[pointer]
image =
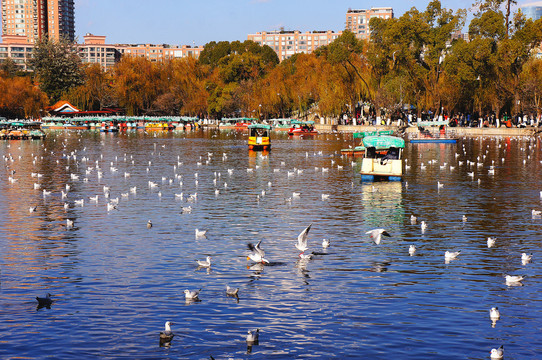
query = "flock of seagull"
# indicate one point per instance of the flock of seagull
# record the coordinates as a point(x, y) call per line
point(257, 254)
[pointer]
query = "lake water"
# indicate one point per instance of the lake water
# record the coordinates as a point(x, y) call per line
point(115, 283)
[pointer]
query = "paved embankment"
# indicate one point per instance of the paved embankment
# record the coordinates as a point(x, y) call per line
point(460, 131)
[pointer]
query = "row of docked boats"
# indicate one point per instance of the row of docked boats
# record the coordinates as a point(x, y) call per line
point(120, 123)
point(293, 127)
point(20, 130)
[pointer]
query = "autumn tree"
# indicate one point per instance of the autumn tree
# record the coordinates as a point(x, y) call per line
point(96, 93)
point(20, 98)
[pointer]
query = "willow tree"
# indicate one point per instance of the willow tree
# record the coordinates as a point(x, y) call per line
point(96, 92)
point(347, 55)
point(57, 66)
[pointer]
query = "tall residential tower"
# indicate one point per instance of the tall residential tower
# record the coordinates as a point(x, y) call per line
point(357, 21)
point(34, 19)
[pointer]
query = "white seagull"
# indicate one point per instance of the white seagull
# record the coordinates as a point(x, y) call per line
point(253, 336)
point(497, 353)
point(205, 263)
point(494, 314)
point(491, 242)
point(423, 226)
point(325, 243)
point(257, 253)
point(200, 233)
point(301, 244)
point(526, 258)
point(412, 250)
point(376, 235)
point(231, 291)
point(513, 279)
point(451, 255)
point(166, 335)
point(191, 295)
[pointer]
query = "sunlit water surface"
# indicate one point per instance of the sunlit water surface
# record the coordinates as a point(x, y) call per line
point(115, 283)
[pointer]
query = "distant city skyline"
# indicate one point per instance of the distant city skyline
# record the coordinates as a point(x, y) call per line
point(189, 22)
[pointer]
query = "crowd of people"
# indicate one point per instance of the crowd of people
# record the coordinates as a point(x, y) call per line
point(462, 120)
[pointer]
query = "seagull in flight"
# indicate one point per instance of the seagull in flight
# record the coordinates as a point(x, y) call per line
point(257, 253)
point(376, 235)
point(302, 240)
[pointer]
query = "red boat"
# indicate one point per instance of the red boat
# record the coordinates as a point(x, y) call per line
point(302, 128)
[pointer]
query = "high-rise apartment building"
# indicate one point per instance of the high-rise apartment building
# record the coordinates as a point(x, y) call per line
point(288, 43)
point(532, 10)
point(33, 19)
point(357, 21)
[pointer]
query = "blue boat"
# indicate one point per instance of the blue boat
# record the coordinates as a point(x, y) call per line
point(433, 141)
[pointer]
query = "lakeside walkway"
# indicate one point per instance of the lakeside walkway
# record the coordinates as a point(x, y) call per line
point(459, 131)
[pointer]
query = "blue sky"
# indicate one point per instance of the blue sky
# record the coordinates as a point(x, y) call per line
point(198, 22)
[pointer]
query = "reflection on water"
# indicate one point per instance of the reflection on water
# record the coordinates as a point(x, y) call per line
point(115, 281)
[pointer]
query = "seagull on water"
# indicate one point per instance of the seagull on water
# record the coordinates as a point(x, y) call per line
point(376, 235)
point(497, 353)
point(149, 224)
point(69, 223)
point(200, 233)
point(526, 258)
point(205, 263)
point(167, 335)
point(32, 209)
point(301, 244)
point(513, 279)
point(231, 291)
point(257, 253)
point(325, 243)
point(412, 250)
point(191, 295)
point(451, 255)
point(413, 219)
point(491, 242)
point(44, 301)
point(253, 336)
point(494, 314)
point(423, 226)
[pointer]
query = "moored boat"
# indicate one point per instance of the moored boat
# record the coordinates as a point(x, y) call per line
point(235, 123)
point(281, 124)
point(302, 128)
point(425, 136)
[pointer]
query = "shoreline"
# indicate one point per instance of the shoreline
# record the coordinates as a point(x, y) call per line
point(458, 131)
